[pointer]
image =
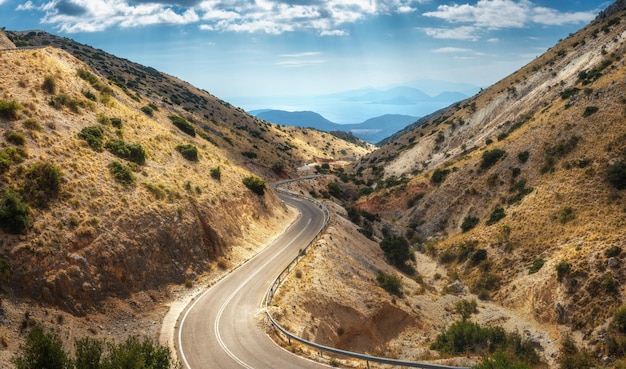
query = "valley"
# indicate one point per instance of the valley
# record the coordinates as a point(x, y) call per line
point(127, 192)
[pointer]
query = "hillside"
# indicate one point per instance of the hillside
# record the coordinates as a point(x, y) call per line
point(120, 186)
point(513, 197)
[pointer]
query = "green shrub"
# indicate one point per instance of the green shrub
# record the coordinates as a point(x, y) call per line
point(616, 175)
point(255, 184)
point(32, 124)
point(390, 283)
point(14, 213)
point(189, 152)
point(523, 156)
point(590, 110)
point(10, 109)
point(613, 251)
point(41, 350)
point(500, 360)
point(116, 122)
point(49, 85)
point(45, 350)
point(131, 152)
point(16, 138)
point(121, 173)
point(466, 308)
point(478, 256)
point(566, 214)
point(537, 264)
point(439, 175)
point(557, 151)
point(147, 110)
point(397, 250)
point(42, 183)
point(216, 173)
point(93, 135)
point(249, 154)
point(90, 95)
point(619, 320)
point(562, 269)
point(9, 156)
point(464, 336)
point(469, 222)
point(566, 94)
point(334, 189)
point(490, 157)
point(182, 124)
point(495, 216)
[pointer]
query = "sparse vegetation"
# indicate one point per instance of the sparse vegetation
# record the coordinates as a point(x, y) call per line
point(255, 184)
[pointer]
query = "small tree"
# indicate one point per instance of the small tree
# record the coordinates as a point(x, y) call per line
point(216, 173)
point(466, 308)
point(397, 250)
point(490, 157)
point(14, 213)
point(188, 151)
point(41, 350)
point(9, 109)
point(469, 222)
point(255, 184)
point(42, 183)
point(390, 283)
point(49, 85)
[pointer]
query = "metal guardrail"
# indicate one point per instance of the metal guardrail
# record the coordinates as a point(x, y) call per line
point(283, 275)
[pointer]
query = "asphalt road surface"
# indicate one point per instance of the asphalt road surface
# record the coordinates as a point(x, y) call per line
point(220, 328)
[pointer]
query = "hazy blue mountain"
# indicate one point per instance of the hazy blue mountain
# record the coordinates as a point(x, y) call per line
point(372, 130)
point(298, 119)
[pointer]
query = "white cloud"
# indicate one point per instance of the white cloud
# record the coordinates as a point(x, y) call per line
point(324, 17)
point(451, 50)
point(459, 33)
point(302, 59)
point(499, 14)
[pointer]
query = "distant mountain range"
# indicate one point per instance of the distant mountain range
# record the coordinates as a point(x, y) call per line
point(392, 108)
point(415, 98)
point(372, 130)
point(400, 95)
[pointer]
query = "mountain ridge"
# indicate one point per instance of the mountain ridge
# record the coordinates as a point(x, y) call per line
point(372, 130)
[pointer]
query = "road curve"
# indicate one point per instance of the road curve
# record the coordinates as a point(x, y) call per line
point(219, 329)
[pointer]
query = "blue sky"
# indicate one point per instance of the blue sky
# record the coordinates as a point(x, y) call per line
point(239, 48)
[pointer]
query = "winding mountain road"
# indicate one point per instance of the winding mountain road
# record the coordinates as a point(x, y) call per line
point(220, 329)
